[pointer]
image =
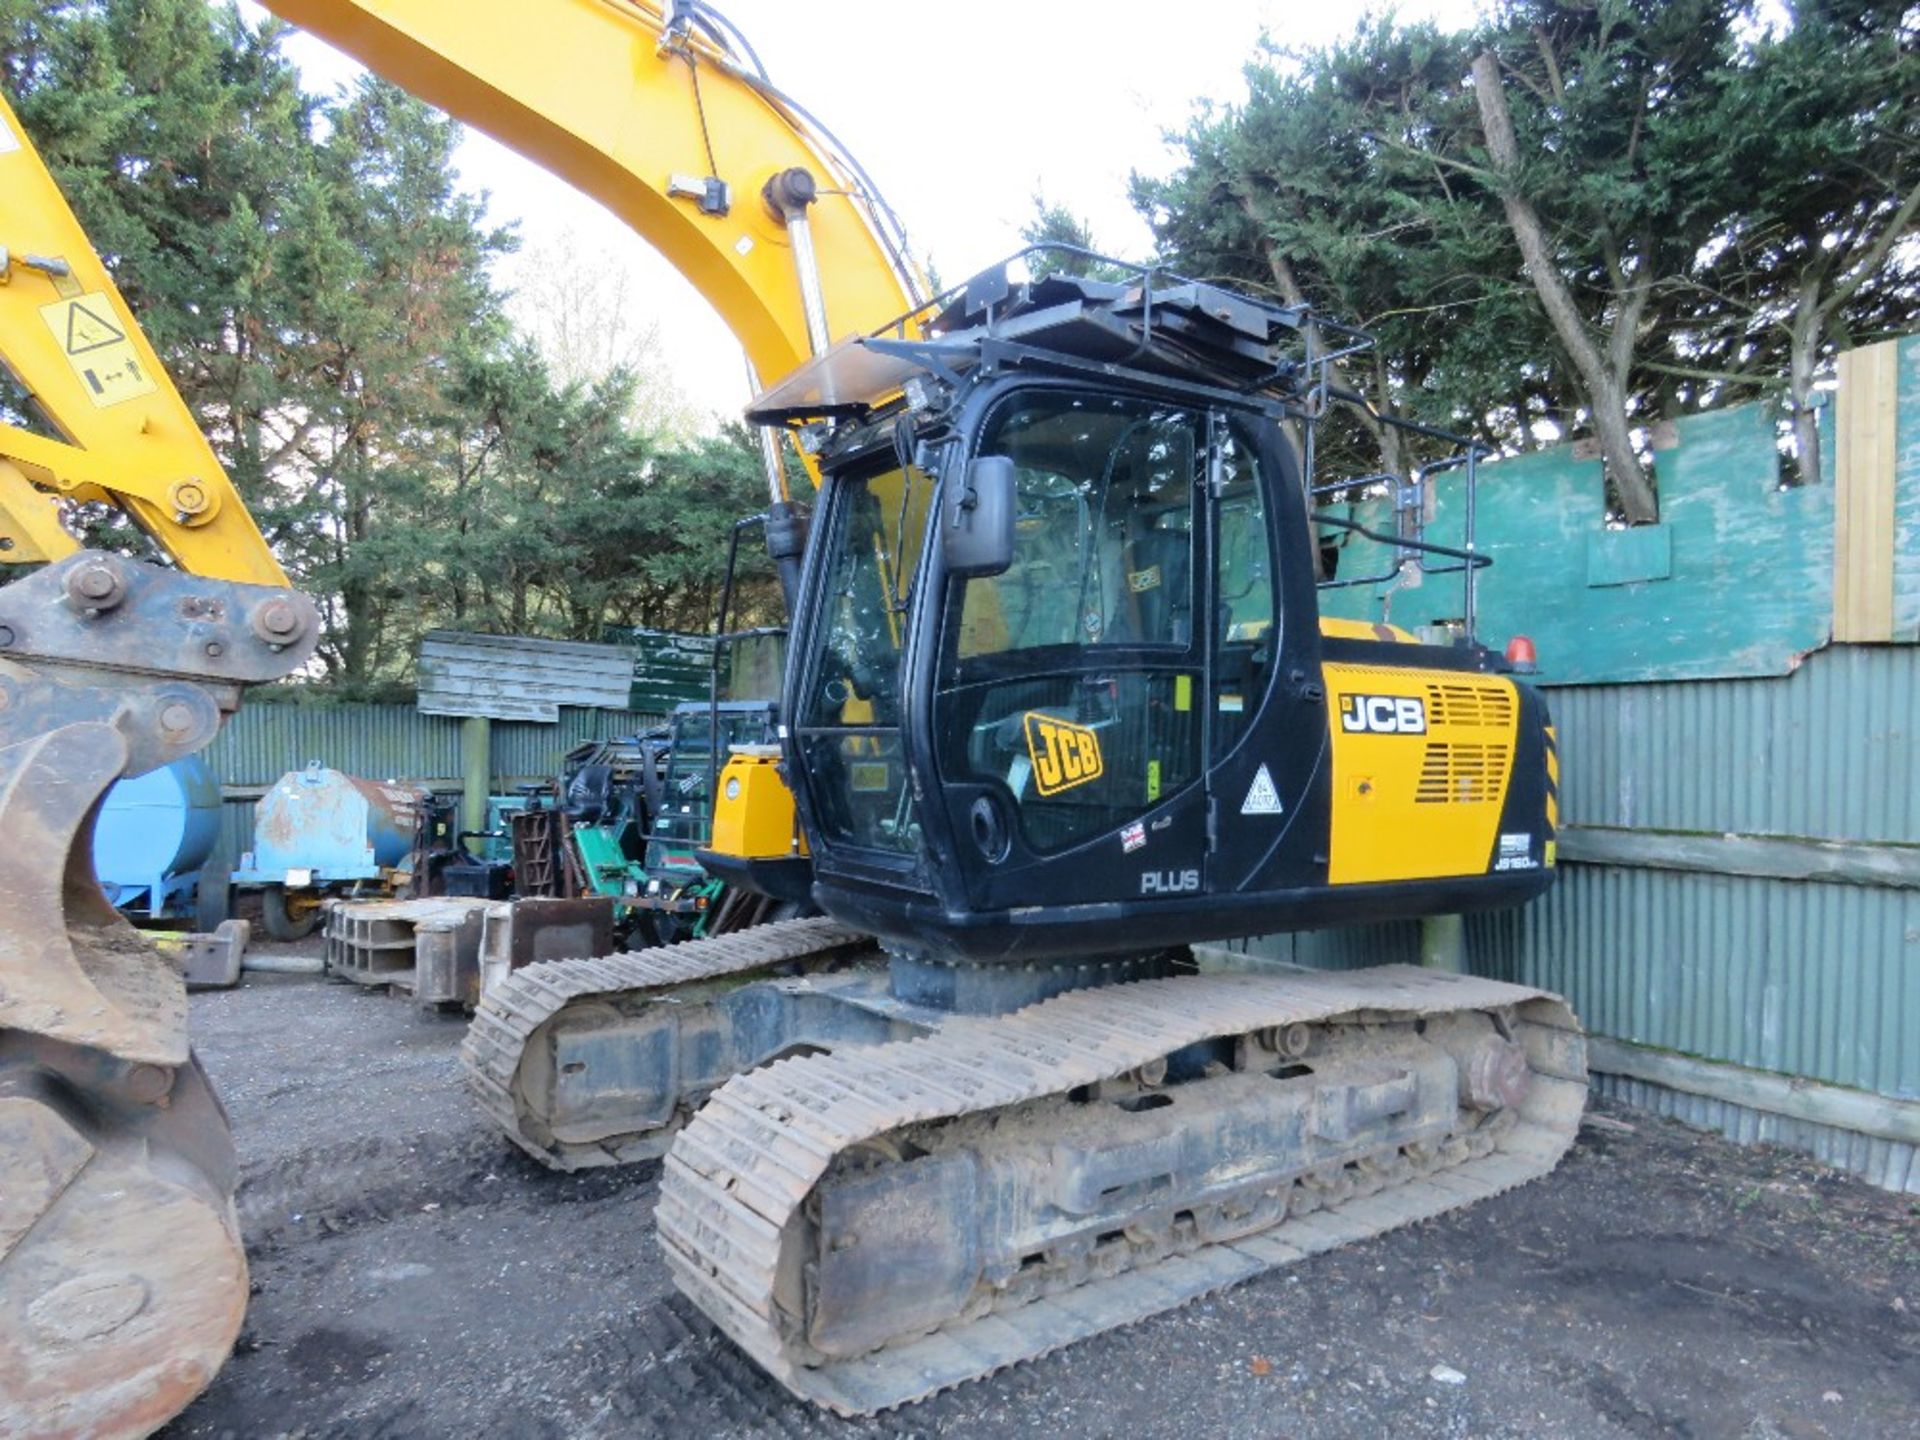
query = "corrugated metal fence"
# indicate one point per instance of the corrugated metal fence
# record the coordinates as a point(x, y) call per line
point(385, 742)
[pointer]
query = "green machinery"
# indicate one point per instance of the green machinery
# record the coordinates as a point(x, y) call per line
point(682, 899)
point(626, 818)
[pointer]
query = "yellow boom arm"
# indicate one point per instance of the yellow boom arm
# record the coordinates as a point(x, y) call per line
point(639, 112)
point(124, 435)
point(654, 119)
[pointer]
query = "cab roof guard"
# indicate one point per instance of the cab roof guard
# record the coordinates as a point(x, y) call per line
point(1157, 328)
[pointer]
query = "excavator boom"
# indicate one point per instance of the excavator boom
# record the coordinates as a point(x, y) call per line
point(106, 422)
point(647, 109)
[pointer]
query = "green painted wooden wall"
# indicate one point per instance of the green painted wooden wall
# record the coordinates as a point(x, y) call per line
point(1736, 579)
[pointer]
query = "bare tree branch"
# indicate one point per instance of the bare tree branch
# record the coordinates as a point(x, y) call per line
point(1605, 393)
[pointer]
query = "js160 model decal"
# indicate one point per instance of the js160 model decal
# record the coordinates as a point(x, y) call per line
point(1383, 714)
point(1063, 754)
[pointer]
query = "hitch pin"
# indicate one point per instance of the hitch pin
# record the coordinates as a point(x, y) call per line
point(52, 266)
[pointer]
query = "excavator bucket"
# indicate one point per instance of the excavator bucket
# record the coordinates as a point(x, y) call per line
point(122, 1275)
point(122, 1278)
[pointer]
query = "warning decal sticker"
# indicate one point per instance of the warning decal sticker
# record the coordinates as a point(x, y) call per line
point(1262, 798)
point(87, 330)
point(97, 347)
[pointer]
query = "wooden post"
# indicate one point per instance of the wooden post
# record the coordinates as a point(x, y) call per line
point(476, 770)
point(1443, 943)
point(1863, 472)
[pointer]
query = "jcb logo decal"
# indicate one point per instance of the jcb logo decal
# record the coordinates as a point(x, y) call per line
point(1064, 754)
point(1383, 714)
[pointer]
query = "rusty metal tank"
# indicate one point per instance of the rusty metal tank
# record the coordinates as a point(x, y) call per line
point(320, 826)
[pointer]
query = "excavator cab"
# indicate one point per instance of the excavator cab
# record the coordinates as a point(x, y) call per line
point(1059, 683)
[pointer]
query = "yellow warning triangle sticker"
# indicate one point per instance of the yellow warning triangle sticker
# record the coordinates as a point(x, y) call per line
point(87, 330)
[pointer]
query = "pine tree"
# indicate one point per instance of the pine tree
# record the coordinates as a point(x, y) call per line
point(1576, 216)
point(389, 264)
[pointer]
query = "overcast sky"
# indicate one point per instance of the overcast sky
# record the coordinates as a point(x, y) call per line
point(1013, 98)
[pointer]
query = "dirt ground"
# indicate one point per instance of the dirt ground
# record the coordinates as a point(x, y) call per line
point(415, 1276)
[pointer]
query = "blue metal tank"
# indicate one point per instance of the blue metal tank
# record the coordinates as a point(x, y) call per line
point(318, 826)
point(153, 834)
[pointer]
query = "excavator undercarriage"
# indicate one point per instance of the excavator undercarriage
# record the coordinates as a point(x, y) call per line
point(876, 1221)
point(587, 1063)
point(877, 1224)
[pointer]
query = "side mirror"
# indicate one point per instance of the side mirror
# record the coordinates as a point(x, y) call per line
point(976, 533)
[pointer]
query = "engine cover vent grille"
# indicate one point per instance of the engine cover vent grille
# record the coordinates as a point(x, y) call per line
point(1456, 774)
point(1453, 704)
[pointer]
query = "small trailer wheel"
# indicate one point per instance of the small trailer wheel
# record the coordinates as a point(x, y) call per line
point(290, 915)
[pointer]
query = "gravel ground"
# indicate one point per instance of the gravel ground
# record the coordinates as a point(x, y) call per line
point(415, 1276)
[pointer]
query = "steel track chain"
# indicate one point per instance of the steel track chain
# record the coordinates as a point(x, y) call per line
point(510, 1015)
point(737, 1176)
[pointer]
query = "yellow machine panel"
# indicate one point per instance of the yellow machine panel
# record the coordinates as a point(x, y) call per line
point(1421, 762)
point(753, 815)
point(1336, 628)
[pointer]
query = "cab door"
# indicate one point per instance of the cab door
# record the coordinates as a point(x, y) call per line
point(1070, 704)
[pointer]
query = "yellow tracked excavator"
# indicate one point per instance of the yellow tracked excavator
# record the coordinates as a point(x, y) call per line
point(1059, 705)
